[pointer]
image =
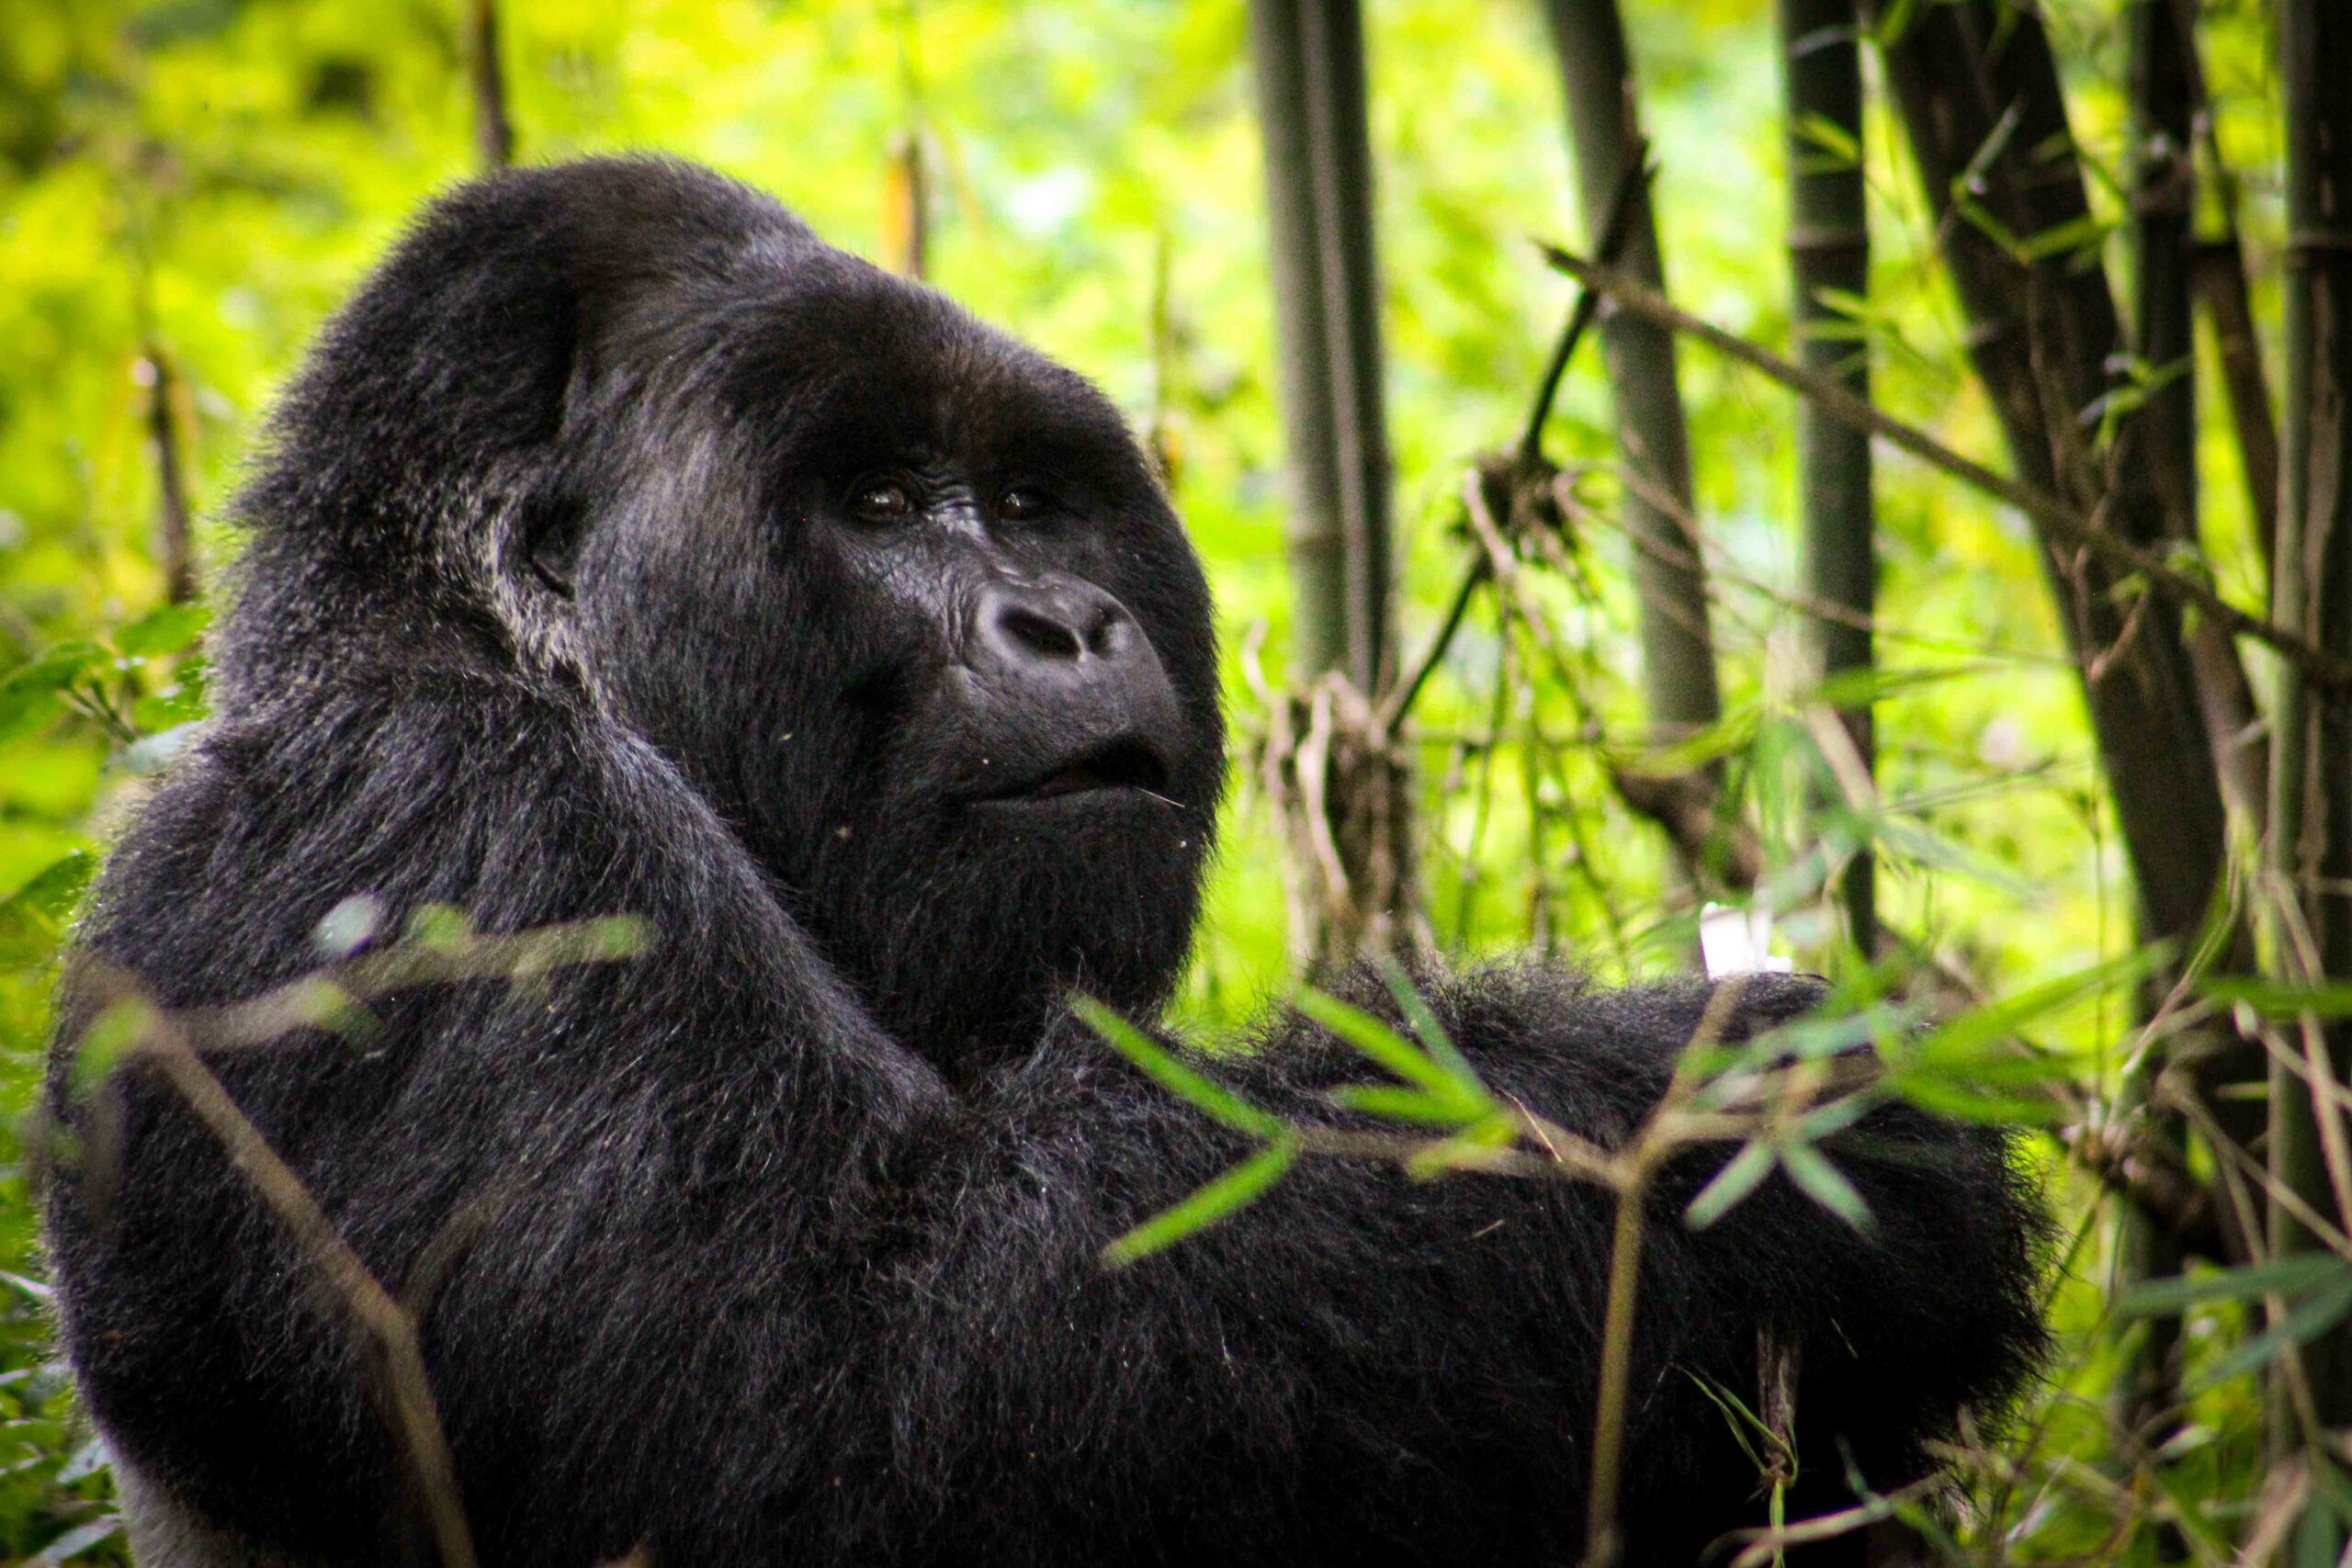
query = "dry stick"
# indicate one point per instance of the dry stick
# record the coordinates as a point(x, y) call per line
point(174, 530)
point(169, 1039)
point(320, 997)
point(165, 1043)
point(2067, 525)
point(494, 131)
point(1768, 1545)
point(1600, 1542)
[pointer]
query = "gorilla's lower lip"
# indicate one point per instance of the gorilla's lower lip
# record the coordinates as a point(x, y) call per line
point(1126, 764)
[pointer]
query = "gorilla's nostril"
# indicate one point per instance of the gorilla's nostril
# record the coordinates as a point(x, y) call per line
point(1041, 634)
point(1111, 633)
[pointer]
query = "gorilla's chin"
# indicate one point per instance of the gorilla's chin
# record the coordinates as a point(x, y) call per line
point(966, 946)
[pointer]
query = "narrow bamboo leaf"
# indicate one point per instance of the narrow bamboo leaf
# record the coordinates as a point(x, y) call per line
point(79, 1539)
point(1737, 1416)
point(1399, 1105)
point(1735, 1181)
point(2295, 1275)
point(1961, 1103)
point(2079, 233)
point(1424, 1018)
point(1845, 151)
point(1824, 1184)
point(2273, 999)
point(1219, 1200)
point(1809, 1038)
point(29, 693)
point(2315, 1315)
point(1932, 851)
point(1834, 1116)
point(1972, 1037)
point(1493, 1132)
point(2330, 1483)
point(1858, 687)
point(1391, 1050)
point(1162, 1067)
point(51, 893)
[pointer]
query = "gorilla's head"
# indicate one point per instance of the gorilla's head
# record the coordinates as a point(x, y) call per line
point(898, 595)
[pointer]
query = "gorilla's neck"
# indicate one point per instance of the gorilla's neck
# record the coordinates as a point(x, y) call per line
point(968, 948)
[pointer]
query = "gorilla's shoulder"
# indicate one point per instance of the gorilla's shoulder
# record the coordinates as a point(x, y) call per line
point(1519, 1004)
point(518, 805)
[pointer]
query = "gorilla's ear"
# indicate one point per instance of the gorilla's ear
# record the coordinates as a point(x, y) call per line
point(552, 527)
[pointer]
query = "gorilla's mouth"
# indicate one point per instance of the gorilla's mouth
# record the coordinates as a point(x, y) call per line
point(1128, 763)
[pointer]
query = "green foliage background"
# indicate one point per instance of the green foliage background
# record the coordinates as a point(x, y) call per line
point(226, 170)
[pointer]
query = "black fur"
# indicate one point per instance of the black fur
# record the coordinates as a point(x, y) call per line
point(558, 604)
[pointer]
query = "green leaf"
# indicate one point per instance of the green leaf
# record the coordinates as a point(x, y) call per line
point(1424, 1018)
point(1930, 850)
point(2295, 1275)
point(1745, 1173)
point(79, 1539)
point(1219, 1200)
point(2314, 1314)
point(1978, 1043)
point(2079, 233)
point(1959, 1102)
point(50, 893)
point(441, 927)
point(1493, 1132)
point(168, 630)
point(1819, 131)
point(1392, 1051)
point(1393, 1104)
point(118, 1026)
point(2272, 999)
point(29, 693)
point(1824, 1184)
point(1161, 1066)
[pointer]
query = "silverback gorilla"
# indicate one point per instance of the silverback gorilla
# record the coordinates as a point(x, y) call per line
point(623, 547)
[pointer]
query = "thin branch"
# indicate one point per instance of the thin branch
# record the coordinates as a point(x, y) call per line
point(494, 128)
point(2065, 524)
point(165, 1042)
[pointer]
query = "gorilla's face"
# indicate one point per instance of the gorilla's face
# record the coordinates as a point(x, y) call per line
point(903, 597)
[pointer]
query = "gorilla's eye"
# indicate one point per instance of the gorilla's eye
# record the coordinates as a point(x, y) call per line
point(883, 501)
point(1020, 502)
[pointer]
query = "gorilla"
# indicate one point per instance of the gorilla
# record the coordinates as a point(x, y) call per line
point(623, 549)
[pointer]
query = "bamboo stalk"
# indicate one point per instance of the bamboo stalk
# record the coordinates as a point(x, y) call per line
point(1309, 68)
point(2147, 1394)
point(1678, 647)
point(1829, 255)
point(1987, 125)
point(2311, 843)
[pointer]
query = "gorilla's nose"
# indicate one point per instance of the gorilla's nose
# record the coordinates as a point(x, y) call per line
point(1074, 699)
point(1059, 634)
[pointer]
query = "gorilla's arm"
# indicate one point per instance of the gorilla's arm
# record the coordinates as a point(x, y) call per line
point(1430, 1350)
point(753, 1282)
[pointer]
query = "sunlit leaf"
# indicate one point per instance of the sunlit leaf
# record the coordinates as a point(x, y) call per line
point(1162, 1067)
point(1392, 1051)
point(1824, 1183)
point(1219, 1200)
point(2294, 1275)
point(1744, 1171)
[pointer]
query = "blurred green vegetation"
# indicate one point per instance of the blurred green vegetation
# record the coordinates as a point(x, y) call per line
point(211, 176)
